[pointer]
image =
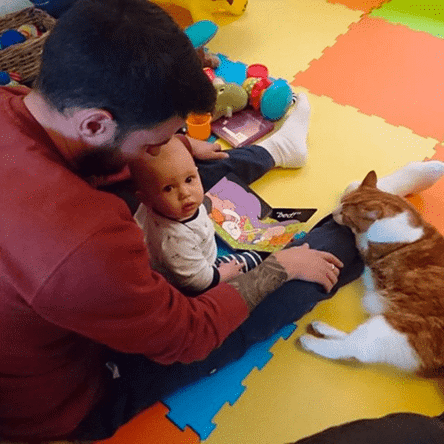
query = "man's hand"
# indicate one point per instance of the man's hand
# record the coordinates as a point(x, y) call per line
point(207, 58)
point(310, 265)
point(229, 270)
point(205, 150)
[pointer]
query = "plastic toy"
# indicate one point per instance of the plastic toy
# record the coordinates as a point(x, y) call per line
point(11, 37)
point(29, 30)
point(271, 97)
point(199, 126)
point(9, 79)
point(200, 34)
point(231, 98)
point(204, 9)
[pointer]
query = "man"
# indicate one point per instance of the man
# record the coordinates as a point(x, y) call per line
point(78, 297)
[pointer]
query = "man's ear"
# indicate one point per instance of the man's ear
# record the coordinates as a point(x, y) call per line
point(95, 126)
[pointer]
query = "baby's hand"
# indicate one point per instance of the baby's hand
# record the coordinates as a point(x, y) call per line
point(230, 270)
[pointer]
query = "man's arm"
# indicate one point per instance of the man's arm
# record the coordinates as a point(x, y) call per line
point(202, 150)
point(292, 263)
point(105, 290)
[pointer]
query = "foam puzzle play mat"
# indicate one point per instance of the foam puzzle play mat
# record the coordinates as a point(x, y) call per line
point(373, 71)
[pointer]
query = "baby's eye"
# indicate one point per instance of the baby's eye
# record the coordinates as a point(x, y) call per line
point(189, 179)
point(168, 188)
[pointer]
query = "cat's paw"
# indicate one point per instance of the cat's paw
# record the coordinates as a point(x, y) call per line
point(328, 348)
point(325, 330)
point(308, 342)
point(316, 345)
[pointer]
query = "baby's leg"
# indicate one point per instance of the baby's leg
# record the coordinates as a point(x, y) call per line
point(250, 259)
point(375, 341)
point(412, 178)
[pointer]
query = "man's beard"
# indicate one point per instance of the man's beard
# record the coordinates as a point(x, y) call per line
point(101, 161)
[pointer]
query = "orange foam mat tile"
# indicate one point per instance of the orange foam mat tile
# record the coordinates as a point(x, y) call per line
point(361, 5)
point(152, 427)
point(386, 70)
point(430, 203)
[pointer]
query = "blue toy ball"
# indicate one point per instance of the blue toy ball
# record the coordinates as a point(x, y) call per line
point(276, 100)
point(11, 37)
point(4, 78)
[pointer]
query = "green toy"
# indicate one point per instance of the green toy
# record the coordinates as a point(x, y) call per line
point(231, 98)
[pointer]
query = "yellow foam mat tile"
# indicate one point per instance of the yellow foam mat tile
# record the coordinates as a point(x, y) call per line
point(298, 394)
point(344, 145)
point(284, 35)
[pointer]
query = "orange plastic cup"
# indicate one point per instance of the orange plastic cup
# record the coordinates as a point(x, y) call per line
point(199, 126)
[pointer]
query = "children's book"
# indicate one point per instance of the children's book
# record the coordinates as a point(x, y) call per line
point(243, 128)
point(244, 221)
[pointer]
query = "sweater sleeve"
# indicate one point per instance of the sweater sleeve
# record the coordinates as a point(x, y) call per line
point(106, 291)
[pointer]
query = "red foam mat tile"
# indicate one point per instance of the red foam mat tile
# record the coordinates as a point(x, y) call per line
point(152, 427)
point(360, 5)
point(430, 203)
point(385, 70)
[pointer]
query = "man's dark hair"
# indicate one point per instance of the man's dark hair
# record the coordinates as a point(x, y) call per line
point(125, 56)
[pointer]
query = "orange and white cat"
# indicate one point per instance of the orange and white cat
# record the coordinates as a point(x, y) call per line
point(404, 281)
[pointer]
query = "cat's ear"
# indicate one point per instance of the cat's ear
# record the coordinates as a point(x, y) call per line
point(370, 180)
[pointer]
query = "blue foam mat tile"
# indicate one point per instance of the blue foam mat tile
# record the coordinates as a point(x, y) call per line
point(197, 404)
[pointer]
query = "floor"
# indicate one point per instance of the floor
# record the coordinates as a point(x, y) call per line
point(374, 75)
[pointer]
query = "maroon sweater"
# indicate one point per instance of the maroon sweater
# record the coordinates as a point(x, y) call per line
point(75, 274)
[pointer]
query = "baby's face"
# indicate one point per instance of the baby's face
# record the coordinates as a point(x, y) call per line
point(174, 189)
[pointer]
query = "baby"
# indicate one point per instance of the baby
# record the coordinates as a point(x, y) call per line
point(178, 231)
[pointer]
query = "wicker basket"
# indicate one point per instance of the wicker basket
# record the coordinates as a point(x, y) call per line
point(24, 58)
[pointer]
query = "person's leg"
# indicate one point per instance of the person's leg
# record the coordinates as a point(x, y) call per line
point(288, 145)
point(396, 428)
point(248, 163)
point(250, 259)
point(286, 148)
point(142, 382)
point(295, 298)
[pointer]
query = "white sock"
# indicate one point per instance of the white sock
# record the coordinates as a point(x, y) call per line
point(412, 178)
point(288, 145)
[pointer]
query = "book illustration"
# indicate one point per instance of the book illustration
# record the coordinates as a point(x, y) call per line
point(243, 219)
point(243, 128)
